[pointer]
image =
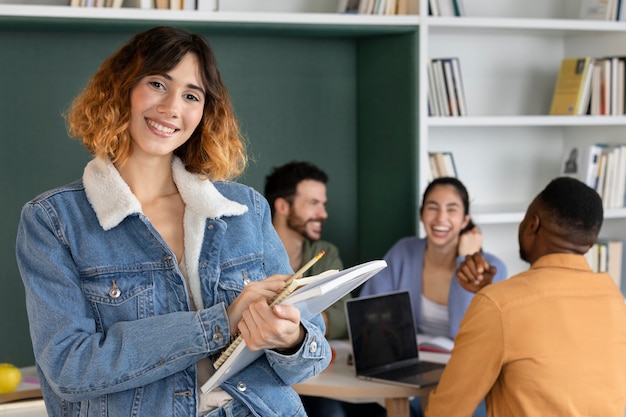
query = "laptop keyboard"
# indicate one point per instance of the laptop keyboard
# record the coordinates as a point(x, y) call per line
point(410, 370)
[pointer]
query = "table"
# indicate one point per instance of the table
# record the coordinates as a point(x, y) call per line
point(339, 381)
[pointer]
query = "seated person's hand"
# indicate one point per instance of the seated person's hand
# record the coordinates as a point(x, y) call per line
point(470, 242)
point(253, 292)
point(475, 273)
point(265, 327)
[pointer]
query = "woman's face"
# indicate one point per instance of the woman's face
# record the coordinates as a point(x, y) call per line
point(165, 109)
point(443, 215)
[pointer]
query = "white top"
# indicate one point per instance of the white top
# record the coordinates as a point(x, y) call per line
point(217, 397)
point(434, 318)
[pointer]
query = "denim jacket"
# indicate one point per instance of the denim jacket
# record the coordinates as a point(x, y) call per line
point(109, 309)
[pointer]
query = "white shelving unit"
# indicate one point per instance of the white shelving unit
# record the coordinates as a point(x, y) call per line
point(508, 148)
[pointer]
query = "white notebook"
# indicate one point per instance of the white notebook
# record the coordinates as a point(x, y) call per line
point(311, 299)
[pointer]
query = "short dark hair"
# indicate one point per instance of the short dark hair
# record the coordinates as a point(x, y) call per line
point(574, 207)
point(282, 182)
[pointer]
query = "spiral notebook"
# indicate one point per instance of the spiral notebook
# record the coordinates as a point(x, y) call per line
point(311, 299)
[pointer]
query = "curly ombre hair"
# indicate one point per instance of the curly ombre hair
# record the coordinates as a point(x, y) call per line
point(100, 115)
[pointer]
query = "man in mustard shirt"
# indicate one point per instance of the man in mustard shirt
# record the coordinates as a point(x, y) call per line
point(548, 341)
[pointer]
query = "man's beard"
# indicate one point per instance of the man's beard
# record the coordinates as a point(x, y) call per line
point(297, 224)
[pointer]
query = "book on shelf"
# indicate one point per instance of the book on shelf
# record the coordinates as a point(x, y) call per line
point(453, 100)
point(611, 171)
point(606, 255)
point(458, 86)
point(441, 93)
point(446, 95)
point(441, 165)
point(391, 7)
point(349, 6)
point(597, 9)
point(585, 99)
point(459, 8)
point(433, 110)
point(602, 87)
point(319, 293)
point(408, 7)
point(446, 8)
point(581, 162)
point(366, 6)
point(602, 167)
point(433, 8)
point(97, 3)
point(571, 81)
point(437, 344)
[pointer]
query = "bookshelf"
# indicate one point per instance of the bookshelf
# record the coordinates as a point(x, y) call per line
point(508, 147)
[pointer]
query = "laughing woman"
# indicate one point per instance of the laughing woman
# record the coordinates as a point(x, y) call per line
point(426, 266)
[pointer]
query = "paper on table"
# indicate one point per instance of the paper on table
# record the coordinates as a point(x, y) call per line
point(439, 344)
point(310, 299)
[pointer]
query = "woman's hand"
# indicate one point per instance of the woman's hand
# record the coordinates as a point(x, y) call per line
point(474, 272)
point(254, 291)
point(265, 327)
point(470, 242)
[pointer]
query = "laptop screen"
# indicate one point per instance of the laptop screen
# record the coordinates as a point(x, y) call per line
point(381, 330)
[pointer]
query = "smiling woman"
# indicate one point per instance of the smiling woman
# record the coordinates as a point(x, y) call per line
point(150, 246)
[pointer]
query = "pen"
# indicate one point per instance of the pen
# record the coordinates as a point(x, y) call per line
point(292, 282)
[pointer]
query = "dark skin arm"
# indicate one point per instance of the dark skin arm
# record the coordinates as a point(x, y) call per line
point(475, 273)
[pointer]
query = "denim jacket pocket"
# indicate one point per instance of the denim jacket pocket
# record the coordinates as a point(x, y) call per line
point(119, 295)
point(236, 273)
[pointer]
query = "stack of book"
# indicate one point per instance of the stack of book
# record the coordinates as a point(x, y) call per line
point(602, 167)
point(447, 8)
point(446, 96)
point(441, 164)
point(587, 85)
point(606, 256)
point(96, 3)
point(612, 10)
point(201, 5)
point(379, 7)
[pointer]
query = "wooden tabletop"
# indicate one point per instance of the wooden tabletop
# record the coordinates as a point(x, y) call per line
point(339, 381)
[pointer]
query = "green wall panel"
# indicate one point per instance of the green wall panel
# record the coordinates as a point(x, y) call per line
point(387, 130)
point(296, 99)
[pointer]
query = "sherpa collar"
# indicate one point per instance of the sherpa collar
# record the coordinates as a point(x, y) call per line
point(102, 181)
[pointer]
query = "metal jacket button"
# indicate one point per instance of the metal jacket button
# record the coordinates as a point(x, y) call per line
point(241, 386)
point(217, 335)
point(313, 346)
point(114, 292)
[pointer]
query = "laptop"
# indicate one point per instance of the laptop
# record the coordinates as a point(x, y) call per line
point(384, 341)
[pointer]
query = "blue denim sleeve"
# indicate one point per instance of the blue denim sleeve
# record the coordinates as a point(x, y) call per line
point(79, 362)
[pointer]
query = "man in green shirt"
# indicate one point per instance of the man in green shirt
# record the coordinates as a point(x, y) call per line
point(296, 193)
